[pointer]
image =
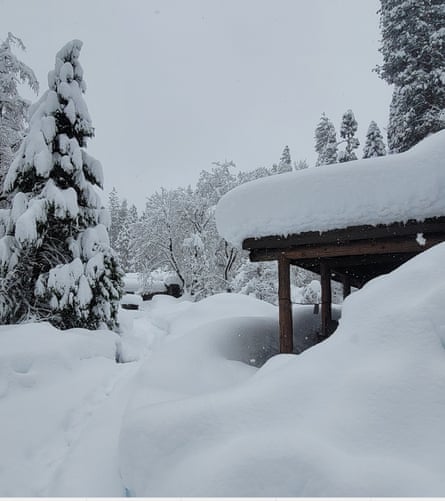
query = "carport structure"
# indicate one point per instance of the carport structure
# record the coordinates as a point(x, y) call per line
point(349, 222)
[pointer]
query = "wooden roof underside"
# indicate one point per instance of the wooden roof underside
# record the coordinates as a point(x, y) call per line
point(357, 252)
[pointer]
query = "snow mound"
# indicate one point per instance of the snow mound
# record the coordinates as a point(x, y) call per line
point(359, 415)
point(49, 383)
point(408, 185)
point(33, 348)
point(219, 307)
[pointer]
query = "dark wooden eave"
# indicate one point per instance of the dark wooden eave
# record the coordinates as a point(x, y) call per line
point(357, 252)
point(349, 234)
point(353, 256)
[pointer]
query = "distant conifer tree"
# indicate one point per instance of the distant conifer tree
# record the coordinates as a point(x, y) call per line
point(325, 142)
point(347, 133)
point(374, 145)
point(285, 164)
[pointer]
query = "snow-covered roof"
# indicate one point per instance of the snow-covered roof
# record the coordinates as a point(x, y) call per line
point(383, 190)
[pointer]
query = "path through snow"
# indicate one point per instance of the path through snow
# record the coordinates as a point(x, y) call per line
point(62, 398)
point(90, 467)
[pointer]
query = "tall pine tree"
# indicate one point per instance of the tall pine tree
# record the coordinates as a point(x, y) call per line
point(55, 260)
point(325, 142)
point(374, 145)
point(13, 108)
point(413, 49)
point(113, 209)
point(347, 133)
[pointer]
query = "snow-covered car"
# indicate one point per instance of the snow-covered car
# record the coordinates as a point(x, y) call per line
point(131, 302)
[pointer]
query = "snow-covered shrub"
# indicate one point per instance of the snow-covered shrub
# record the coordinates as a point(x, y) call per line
point(259, 280)
point(55, 260)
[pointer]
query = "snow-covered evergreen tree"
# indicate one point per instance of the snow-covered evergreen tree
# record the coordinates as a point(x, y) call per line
point(285, 157)
point(125, 240)
point(374, 145)
point(13, 108)
point(285, 164)
point(325, 142)
point(55, 260)
point(413, 49)
point(114, 206)
point(347, 133)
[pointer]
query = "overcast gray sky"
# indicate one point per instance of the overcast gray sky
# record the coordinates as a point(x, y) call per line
point(174, 85)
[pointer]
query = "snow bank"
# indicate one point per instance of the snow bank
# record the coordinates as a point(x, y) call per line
point(247, 326)
point(36, 348)
point(359, 415)
point(50, 382)
point(408, 185)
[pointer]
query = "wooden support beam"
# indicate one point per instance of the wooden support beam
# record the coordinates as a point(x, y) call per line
point(285, 306)
point(326, 299)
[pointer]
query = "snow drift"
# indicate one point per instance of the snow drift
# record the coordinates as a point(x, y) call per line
point(359, 415)
point(50, 384)
point(382, 190)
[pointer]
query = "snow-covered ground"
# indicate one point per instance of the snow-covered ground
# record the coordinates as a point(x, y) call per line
point(193, 411)
point(53, 387)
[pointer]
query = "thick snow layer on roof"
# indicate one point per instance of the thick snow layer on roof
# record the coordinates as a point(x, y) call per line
point(382, 190)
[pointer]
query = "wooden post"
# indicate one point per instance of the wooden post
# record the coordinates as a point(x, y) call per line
point(285, 306)
point(326, 299)
point(346, 286)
